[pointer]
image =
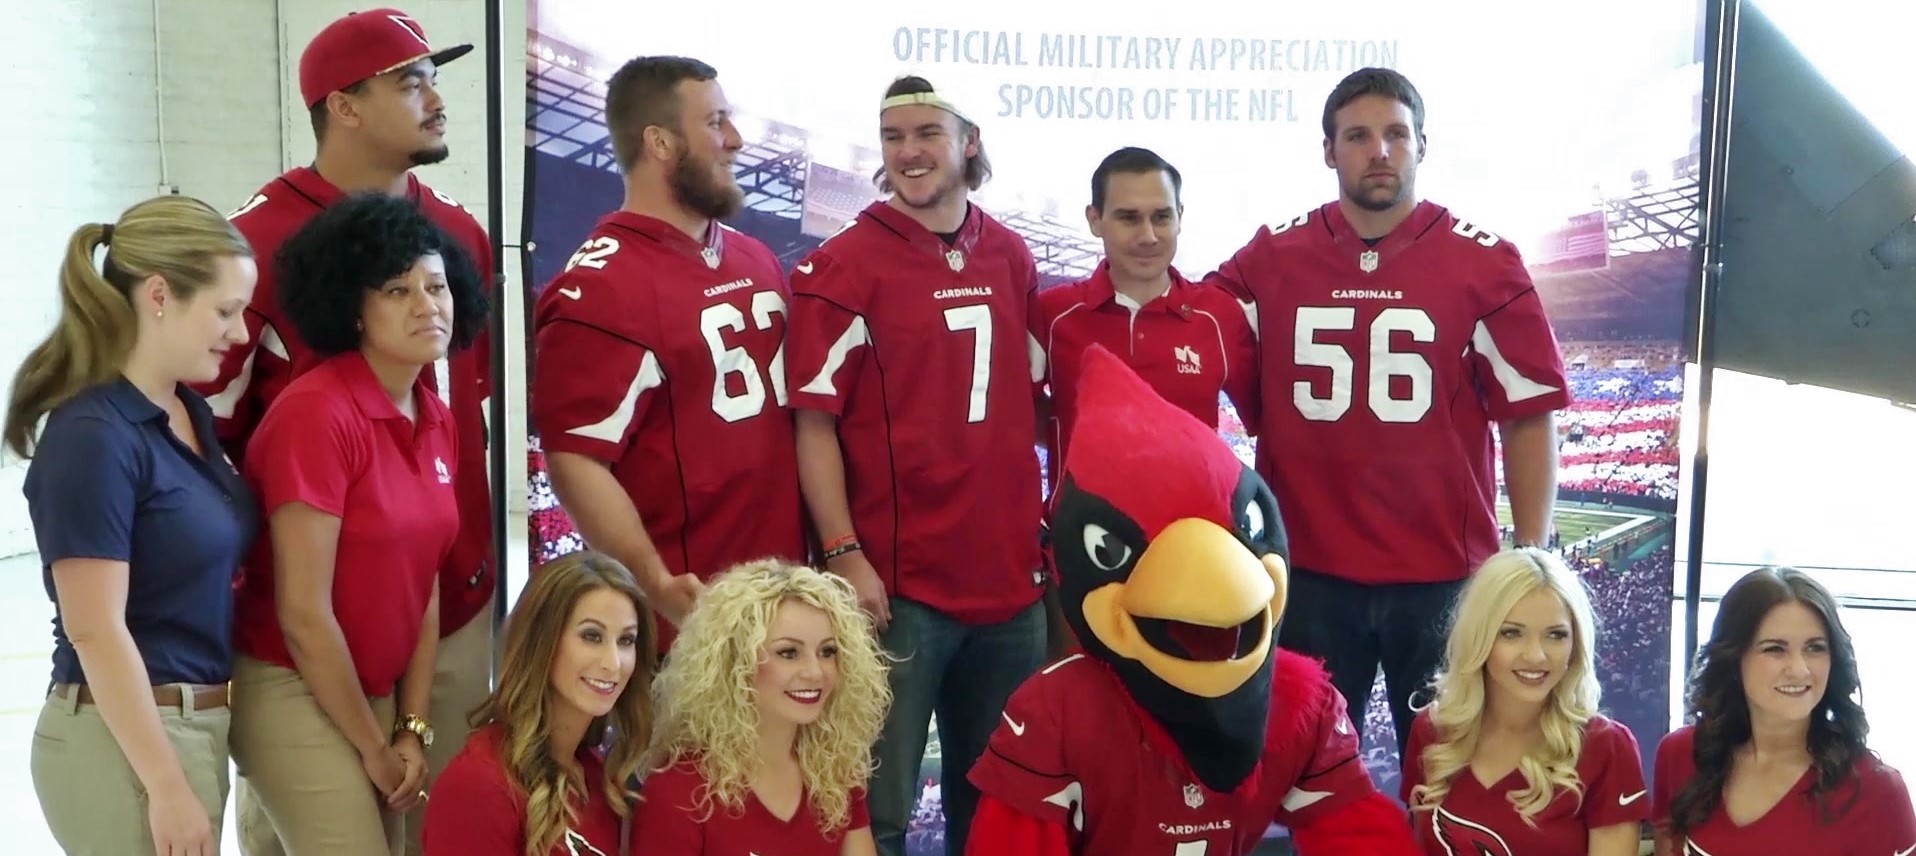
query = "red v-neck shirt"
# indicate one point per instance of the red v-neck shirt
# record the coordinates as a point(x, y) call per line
point(1477, 821)
point(669, 820)
point(1877, 822)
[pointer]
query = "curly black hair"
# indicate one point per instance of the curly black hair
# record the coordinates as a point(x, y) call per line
point(357, 245)
point(1839, 732)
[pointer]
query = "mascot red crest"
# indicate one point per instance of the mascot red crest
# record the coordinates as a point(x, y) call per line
point(1180, 728)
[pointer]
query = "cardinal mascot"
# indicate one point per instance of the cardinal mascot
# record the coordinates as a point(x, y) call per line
point(1179, 729)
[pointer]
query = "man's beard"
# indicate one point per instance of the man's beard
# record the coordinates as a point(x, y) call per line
point(695, 187)
point(1378, 197)
point(430, 156)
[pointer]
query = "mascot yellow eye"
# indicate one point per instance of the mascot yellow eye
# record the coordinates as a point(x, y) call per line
point(1106, 550)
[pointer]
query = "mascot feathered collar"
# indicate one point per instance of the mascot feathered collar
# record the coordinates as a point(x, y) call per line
point(1172, 566)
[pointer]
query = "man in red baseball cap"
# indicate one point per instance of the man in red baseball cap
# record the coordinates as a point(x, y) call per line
point(369, 81)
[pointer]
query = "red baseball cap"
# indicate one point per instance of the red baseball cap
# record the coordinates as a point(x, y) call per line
point(363, 45)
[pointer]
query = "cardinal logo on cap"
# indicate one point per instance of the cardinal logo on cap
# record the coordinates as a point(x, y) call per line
point(412, 27)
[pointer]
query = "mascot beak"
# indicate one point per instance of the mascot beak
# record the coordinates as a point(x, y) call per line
point(1198, 609)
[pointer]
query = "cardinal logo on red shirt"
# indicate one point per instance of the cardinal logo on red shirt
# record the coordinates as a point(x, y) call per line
point(1461, 837)
point(576, 845)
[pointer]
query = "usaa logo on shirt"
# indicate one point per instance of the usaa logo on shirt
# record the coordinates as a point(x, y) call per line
point(445, 474)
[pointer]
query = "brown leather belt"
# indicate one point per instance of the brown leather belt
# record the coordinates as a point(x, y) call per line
point(205, 697)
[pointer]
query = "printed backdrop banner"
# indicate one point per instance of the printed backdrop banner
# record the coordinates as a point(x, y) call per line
point(1569, 129)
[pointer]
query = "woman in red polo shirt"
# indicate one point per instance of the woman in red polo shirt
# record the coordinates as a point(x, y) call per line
point(354, 466)
point(768, 708)
point(532, 780)
point(1776, 759)
point(1511, 757)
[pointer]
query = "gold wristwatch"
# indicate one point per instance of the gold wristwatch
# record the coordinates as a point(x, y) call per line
point(417, 725)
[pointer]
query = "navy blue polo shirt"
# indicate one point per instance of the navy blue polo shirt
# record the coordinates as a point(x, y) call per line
point(109, 480)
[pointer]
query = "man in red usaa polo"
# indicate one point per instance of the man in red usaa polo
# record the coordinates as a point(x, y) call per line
point(1393, 335)
point(657, 387)
point(911, 369)
point(1188, 342)
point(369, 82)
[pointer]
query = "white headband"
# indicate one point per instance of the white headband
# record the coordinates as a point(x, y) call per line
point(929, 99)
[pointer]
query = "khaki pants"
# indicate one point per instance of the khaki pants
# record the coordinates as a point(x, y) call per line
point(92, 799)
point(302, 773)
point(461, 680)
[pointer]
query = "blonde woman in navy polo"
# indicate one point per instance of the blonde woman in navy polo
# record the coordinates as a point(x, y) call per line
point(140, 522)
point(355, 463)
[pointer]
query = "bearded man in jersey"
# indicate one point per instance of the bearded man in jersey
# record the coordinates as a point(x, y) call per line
point(1179, 729)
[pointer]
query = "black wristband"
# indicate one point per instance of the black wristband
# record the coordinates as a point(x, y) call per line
point(842, 549)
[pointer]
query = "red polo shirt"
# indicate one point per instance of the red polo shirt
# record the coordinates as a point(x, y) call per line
point(1190, 343)
point(254, 373)
point(335, 441)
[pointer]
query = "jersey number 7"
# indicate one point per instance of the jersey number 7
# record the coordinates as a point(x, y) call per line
point(976, 318)
point(1382, 364)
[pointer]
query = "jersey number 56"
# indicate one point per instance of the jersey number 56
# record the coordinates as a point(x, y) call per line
point(1380, 364)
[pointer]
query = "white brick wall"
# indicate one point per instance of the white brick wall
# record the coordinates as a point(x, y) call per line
point(98, 102)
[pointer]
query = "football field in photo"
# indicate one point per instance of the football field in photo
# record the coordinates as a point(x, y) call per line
point(1578, 522)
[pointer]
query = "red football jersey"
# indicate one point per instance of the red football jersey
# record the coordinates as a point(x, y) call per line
point(1191, 344)
point(1383, 369)
point(1477, 821)
point(1070, 749)
point(335, 441)
point(1873, 815)
point(476, 811)
point(669, 819)
point(252, 375)
point(661, 355)
point(922, 351)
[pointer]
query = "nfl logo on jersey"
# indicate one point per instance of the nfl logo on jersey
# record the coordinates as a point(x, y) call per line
point(1193, 797)
point(1367, 261)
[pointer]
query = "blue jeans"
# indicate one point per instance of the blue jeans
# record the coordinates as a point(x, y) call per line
point(1355, 628)
point(963, 673)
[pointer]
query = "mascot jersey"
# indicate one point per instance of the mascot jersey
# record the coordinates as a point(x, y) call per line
point(1179, 730)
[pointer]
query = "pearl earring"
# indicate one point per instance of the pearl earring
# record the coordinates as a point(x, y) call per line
point(159, 313)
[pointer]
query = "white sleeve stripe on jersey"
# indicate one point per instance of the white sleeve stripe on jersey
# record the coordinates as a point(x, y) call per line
point(224, 401)
point(1250, 314)
point(1222, 349)
point(1038, 362)
point(1299, 798)
point(442, 377)
point(612, 428)
point(1516, 387)
point(853, 336)
point(270, 340)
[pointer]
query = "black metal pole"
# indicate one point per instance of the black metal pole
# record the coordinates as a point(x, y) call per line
point(1719, 78)
point(495, 227)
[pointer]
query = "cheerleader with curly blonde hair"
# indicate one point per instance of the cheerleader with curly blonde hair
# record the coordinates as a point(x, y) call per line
point(1511, 755)
point(767, 710)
